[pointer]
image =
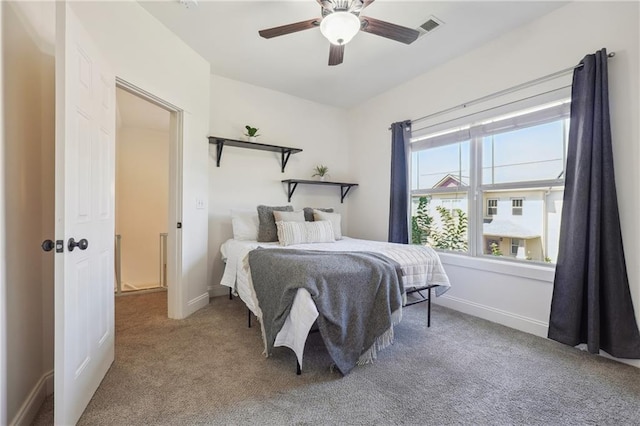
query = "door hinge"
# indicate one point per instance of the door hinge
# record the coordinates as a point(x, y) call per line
point(179, 225)
point(59, 246)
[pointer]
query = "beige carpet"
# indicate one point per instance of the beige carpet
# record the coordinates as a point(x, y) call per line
point(208, 369)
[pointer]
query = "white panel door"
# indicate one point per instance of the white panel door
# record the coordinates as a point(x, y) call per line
point(85, 149)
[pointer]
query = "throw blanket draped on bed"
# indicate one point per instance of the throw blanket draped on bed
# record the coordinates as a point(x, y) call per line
point(358, 296)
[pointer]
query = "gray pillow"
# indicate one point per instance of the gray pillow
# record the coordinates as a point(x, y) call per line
point(308, 213)
point(267, 231)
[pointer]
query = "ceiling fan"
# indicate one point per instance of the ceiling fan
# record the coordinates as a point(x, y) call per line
point(340, 22)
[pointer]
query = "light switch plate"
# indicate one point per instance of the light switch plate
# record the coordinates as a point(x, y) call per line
point(199, 203)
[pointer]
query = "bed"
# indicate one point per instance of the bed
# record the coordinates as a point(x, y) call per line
point(420, 269)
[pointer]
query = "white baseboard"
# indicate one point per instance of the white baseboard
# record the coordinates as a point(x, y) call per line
point(509, 319)
point(197, 303)
point(49, 384)
point(135, 287)
point(30, 407)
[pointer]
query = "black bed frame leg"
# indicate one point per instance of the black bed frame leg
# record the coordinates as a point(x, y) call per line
point(298, 369)
point(248, 317)
point(230, 295)
point(429, 309)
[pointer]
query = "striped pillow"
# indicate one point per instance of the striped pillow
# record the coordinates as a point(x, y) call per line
point(304, 232)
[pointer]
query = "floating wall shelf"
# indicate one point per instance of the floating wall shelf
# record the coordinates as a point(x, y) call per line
point(292, 184)
point(284, 151)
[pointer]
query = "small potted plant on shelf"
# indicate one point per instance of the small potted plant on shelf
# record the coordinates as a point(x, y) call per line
point(321, 171)
point(252, 133)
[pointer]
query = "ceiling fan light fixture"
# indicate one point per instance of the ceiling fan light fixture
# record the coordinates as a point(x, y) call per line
point(340, 27)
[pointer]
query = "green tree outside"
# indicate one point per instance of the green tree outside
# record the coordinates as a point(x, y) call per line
point(451, 235)
point(421, 222)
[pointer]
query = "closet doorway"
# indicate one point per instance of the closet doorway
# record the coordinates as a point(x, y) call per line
point(142, 189)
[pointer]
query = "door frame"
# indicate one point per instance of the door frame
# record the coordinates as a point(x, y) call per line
point(3, 312)
point(174, 237)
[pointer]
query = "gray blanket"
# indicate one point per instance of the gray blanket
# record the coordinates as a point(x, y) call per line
point(356, 294)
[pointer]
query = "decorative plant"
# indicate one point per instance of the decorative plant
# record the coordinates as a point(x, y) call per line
point(320, 170)
point(495, 249)
point(252, 132)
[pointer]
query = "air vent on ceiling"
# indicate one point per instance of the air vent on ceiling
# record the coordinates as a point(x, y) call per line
point(430, 25)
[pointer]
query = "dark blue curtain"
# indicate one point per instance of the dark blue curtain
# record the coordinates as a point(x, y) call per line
point(591, 299)
point(399, 203)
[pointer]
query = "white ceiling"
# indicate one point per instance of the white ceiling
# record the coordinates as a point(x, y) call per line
point(226, 34)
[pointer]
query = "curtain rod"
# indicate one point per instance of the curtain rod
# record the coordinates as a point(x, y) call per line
point(489, 109)
point(506, 91)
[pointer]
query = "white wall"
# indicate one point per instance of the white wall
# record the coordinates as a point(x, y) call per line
point(551, 43)
point(28, 215)
point(146, 54)
point(247, 178)
point(142, 202)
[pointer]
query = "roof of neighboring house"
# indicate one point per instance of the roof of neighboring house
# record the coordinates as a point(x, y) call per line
point(449, 181)
point(506, 228)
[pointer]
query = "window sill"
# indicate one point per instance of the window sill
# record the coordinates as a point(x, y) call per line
point(514, 268)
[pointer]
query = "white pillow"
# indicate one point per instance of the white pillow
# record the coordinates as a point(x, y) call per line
point(335, 220)
point(304, 232)
point(297, 216)
point(244, 224)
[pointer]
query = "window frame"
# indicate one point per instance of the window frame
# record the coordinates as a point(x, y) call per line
point(514, 207)
point(546, 110)
point(511, 245)
point(488, 213)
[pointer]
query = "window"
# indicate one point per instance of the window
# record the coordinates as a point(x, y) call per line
point(514, 163)
point(492, 206)
point(452, 205)
point(516, 206)
point(440, 196)
point(516, 245)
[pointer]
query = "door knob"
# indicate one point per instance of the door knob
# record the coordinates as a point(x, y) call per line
point(82, 244)
point(48, 245)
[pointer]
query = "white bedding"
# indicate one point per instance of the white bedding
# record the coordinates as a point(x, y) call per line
point(420, 266)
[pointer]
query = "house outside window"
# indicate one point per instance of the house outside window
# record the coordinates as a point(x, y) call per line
point(514, 162)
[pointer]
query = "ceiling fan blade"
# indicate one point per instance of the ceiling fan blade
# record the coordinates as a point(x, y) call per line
point(336, 54)
point(290, 28)
point(389, 30)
